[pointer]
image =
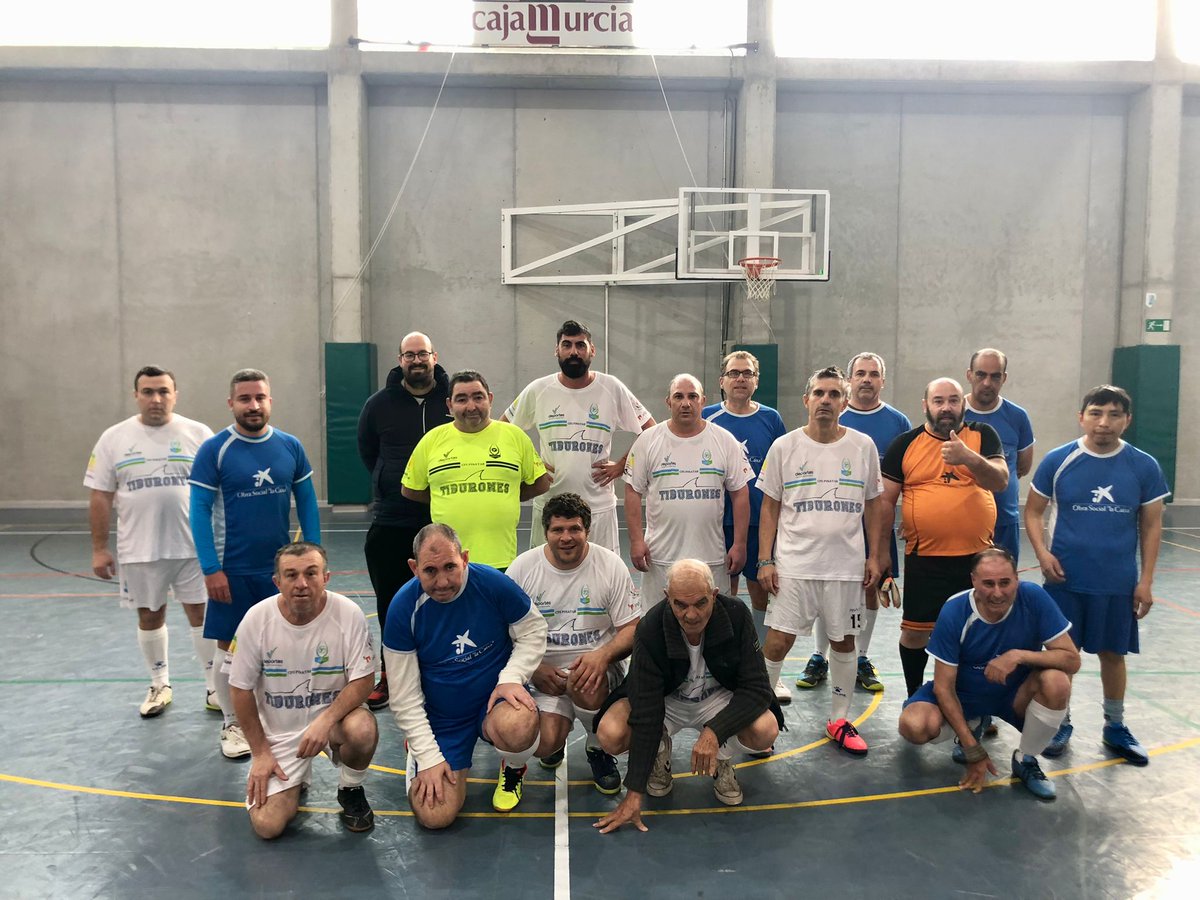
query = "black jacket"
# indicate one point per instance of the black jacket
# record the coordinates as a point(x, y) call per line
point(660, 664)
point(390, 425)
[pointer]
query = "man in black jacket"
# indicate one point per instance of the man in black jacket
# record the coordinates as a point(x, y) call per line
point(393, 420)
point(696, 664)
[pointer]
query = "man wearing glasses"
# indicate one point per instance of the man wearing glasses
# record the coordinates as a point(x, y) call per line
point(756, 426)
point(391, 424)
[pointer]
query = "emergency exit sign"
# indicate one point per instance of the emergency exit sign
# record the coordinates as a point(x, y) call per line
point(1158, 325)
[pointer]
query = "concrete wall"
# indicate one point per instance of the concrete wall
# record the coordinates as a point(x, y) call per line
point(1187, 299)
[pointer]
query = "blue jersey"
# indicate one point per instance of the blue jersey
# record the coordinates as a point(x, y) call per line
point(963, 639)
point(461, 645)
point(1016, 434)
point(756, 432)
point(1096, 504)
point(882, 425)
point(253, 480)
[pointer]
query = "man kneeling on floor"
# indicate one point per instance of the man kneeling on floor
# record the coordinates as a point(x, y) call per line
point(461, 641)
point(1002, 649)
point(696, 664)
point(303, 664)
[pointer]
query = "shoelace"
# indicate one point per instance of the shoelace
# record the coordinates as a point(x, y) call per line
point(512, 777)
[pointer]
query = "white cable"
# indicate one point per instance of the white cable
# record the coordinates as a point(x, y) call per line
point(671, 116)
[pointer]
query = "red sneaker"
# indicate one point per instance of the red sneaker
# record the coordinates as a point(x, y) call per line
point(846, 736)
point(378, 698)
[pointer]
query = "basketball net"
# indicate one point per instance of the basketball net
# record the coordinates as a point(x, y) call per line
point(760, 276)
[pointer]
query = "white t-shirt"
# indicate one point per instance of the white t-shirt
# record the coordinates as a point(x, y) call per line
point(147, 467)
point(684, 482)
point(583, 607)
point(822, 491)
point(297, 671)
point(700, 683)
point(575, 427)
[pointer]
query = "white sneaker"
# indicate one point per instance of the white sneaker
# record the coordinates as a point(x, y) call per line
point(211, 703)
point(233, 743)
point(725, 784)
point(660, 782)
point(156, 701)
point(782, 694)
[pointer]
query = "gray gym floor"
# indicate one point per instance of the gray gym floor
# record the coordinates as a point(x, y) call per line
point(99, 803)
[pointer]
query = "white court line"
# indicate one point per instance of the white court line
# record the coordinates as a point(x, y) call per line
point(562, 836)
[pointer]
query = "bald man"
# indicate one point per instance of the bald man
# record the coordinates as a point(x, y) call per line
point(947, 471)
point(393, 420)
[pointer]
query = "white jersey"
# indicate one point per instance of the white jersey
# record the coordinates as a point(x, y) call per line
point(583, 607)
point(822, 491)
point(575, 427)
point(684, 482)
point(297, 671)
point(147, 467)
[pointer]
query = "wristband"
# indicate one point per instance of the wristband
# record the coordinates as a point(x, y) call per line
point(765, 562)
point(975, 754)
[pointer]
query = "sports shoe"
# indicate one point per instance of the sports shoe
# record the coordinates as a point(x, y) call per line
point(1118, 739)
point(233, 742)
point(782, 695)
point(660, 782)
point(508, 788)
point(1026, 768)
point(1059, 742)
point(761, 754)
point(210, 702)
point(605, 776)
point(378, 698)
point(157, 699)
point(958, 754)
point(868, 679)
point(725, 784)
point(814, 673)
point(554, 760)
point(846, 736)
point(356, 812)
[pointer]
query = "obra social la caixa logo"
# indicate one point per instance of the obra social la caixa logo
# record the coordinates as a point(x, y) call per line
point(597, 24)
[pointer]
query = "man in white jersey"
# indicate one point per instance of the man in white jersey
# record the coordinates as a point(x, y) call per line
point(685, 468)
point(140, 466)
point(591, 608)
point(575, 413)
point(821, 486)
point(302, 667)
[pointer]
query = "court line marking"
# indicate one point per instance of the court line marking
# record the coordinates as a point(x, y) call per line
point(1181, 546)
point(562, 833)
point(760, 807)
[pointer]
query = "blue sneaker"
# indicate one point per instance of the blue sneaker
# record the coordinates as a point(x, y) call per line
point(1026, 768)
point(1118, 739)
point(958, 754)
point(1059, 742)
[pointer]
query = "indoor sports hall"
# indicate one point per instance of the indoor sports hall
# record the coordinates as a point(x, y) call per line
point(295, 185)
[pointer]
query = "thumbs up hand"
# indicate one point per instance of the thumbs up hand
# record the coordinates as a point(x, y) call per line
point(955, 452)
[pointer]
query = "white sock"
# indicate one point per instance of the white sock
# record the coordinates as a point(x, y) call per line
point(820, 638)
point(863, 641)
point(587, 718)
point(760, 624)
point(843, 671)
point(1041, 723)
point(348, 777)
point(221, 686)
point(514, 760)
point(725, 751)
point(204, 649)
point(154, 650)
point(774, 670)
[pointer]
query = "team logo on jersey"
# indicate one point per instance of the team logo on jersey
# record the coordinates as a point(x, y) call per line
point(91, 463)
point(1103, 493)
point(447, 454)
point(175, 447)
point(263, 476)
point(322, 655)
point(668, 466)
point(594, 412)
point(555, 414)
point(706, 458)
point(845, 467)
point(585, 596)
point(949, 475)
point(494, 452)
point(462, 642)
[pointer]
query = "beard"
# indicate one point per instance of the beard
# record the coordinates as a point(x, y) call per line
point(574, 367)
point(419, 376)
point(944, 423)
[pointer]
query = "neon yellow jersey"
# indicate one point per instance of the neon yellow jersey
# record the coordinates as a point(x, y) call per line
point(474, 483)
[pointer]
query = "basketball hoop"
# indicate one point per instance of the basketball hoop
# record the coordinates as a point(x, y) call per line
point(760, 276)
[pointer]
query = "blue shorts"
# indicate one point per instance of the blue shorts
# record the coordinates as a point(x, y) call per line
point(1100, 623)
point(456, 739)
point(750, 569)
point(973, 707)
point(1008, 537)
point(221, 620)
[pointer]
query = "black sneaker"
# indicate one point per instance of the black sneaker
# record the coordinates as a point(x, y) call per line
point(378, 698)
point(356, 812)
point(554, 760)
point(605, 776)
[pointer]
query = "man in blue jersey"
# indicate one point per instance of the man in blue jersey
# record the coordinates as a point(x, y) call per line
point(1108, 499)
point(756, 426)
point(882, 423)
point(987, 374)
point(1000, 649)
point(461, 641)
point(242, 485)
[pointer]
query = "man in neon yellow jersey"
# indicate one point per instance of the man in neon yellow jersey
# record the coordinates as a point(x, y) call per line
point(474, 472)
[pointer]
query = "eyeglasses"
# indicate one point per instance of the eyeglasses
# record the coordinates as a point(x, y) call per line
point(735, 374)
point(422, 355)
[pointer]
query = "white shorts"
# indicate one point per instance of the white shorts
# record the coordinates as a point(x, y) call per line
point(603, 531)
point(297, 770)
point(683, 714)
point(654, 583)
point(562, 705)
point(840, 604)
point(145, 585)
